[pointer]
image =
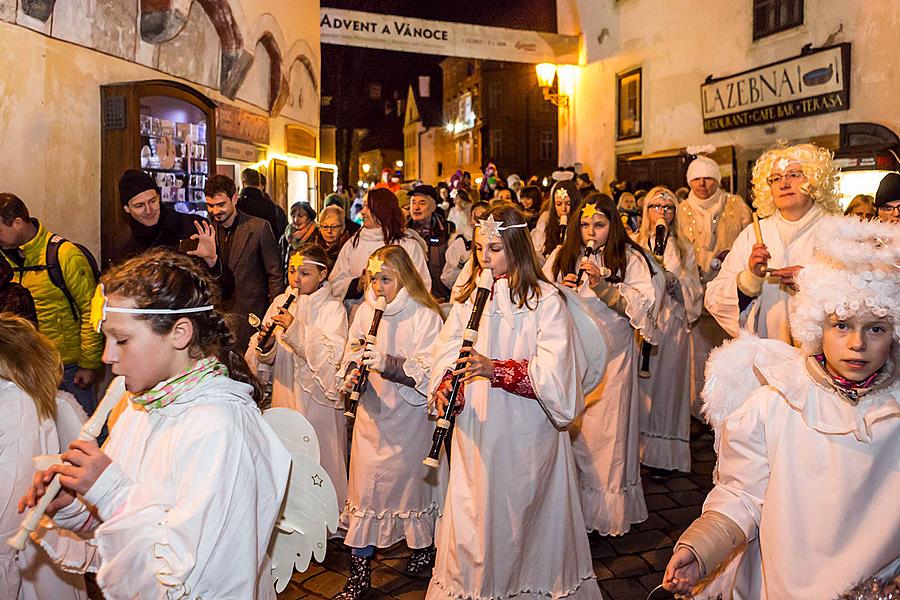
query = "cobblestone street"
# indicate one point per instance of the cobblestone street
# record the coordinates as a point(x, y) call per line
point(628, 567)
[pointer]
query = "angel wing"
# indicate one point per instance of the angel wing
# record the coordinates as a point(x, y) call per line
point(590, 335)
point(310, 508)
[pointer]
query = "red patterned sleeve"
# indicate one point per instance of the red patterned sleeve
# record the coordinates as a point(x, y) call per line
point(446, 385)
point(512, 376)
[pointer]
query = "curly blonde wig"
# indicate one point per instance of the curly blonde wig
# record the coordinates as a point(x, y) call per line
point(821, 176)
point(856, 269)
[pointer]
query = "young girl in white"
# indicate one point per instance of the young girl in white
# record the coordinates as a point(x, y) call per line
point(622, 286)
point(305, 353)
point(30, 371)
point(182, 499)
point(549, 231)
point(666, 394)
point(512, 524)
point(808, 438)
point(392, 495)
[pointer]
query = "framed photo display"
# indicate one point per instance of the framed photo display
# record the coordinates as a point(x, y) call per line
point(628, 104)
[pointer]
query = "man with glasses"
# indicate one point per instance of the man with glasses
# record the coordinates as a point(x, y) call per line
point(793, 187)
point(887, 199)
point(710, 219)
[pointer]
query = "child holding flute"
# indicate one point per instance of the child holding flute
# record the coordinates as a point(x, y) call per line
point(305, 355)
point(793, 188)
point(665, 394)
point(182, 498)
point(621, 285)
point(392, 496)
point(512, 523)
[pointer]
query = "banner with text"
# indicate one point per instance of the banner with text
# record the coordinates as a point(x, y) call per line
point(813, 83)
point(423, 36)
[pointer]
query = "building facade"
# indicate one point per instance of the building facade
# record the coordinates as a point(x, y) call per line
point(253, 66)
point(494, 112)
point(737, 75)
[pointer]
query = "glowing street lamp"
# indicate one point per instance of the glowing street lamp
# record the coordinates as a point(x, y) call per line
point(366, 168)
point(546, 74)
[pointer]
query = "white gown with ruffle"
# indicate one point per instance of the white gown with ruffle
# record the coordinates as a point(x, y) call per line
point(606, 439)
point(512, 524)
point(392, 496)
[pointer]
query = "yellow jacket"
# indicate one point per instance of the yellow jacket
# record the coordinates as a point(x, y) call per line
point(76, 340)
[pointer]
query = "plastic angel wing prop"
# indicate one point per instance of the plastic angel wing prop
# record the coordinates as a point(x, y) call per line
point(591, 337)
point(309, 509)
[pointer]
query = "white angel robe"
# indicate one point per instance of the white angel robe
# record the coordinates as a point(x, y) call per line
point(666, 394)
point(512, 523)
point(767, 315)
point(305, 360)
point(26, 575)
point(812, 481)
point(606, 439)
point(188, 504)
point(392, 495)
point(352, 259)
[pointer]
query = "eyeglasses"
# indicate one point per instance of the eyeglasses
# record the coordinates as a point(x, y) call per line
point(791, 176)
point(331, 227)
point(887, 208)
point(661, 208)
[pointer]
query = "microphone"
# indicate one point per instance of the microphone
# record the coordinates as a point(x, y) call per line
point(588, 250)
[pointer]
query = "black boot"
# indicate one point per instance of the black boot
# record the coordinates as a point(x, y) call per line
point(420, 562)
point(360, 581)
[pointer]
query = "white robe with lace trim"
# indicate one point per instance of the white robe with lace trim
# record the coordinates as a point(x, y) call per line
point(392, 495)
point(666, 394)
point(512, 524)
point(189, 502)
point(811, 480)
point(304, 362)
point(606, 439)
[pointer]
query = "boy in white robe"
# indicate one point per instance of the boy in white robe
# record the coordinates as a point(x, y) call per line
point(808, 439)
point(793, 188)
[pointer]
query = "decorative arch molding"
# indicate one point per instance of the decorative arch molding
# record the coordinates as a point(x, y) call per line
point(162, 20)
point(268, 32)
point(301, 52)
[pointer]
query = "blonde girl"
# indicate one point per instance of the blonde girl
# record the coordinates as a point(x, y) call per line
point(666, 394)
point(392, 496)
point(30, 371)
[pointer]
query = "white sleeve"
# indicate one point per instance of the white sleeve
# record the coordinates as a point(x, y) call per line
point(455, 253)
point(539, 233)
point(722, 292)
point(743, 466)
point(340, 276)
point(323, 343)
point(417, 364)
point(414, 248)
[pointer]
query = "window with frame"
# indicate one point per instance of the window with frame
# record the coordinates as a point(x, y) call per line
point(772, 16)
point(628, 104)
point(495, 142)
point(493, 92)
point(548, 145)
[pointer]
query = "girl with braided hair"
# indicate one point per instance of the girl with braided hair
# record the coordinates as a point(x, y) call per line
point(182, 499)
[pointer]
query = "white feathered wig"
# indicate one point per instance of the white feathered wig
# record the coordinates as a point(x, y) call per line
point(821, 176)
point(855, 270)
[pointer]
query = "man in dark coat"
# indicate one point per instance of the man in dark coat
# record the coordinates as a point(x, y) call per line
point(248, 249)
point(254, 202)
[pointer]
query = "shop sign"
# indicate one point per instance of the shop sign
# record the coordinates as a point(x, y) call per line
point(424, 36)
point(239, 151)
point(241, 124)
point(299, 141)
point(816, 82)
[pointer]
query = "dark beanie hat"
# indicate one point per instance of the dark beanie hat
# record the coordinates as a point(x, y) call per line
point(133, 182)
point(888, 189)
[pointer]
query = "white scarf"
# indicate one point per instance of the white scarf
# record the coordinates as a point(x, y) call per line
point(789, 230)
point(710, 211)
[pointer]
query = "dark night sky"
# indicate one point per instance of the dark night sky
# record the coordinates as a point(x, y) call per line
point(347, 71)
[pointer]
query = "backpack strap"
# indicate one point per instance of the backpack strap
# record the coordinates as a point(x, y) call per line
point(54, 271)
